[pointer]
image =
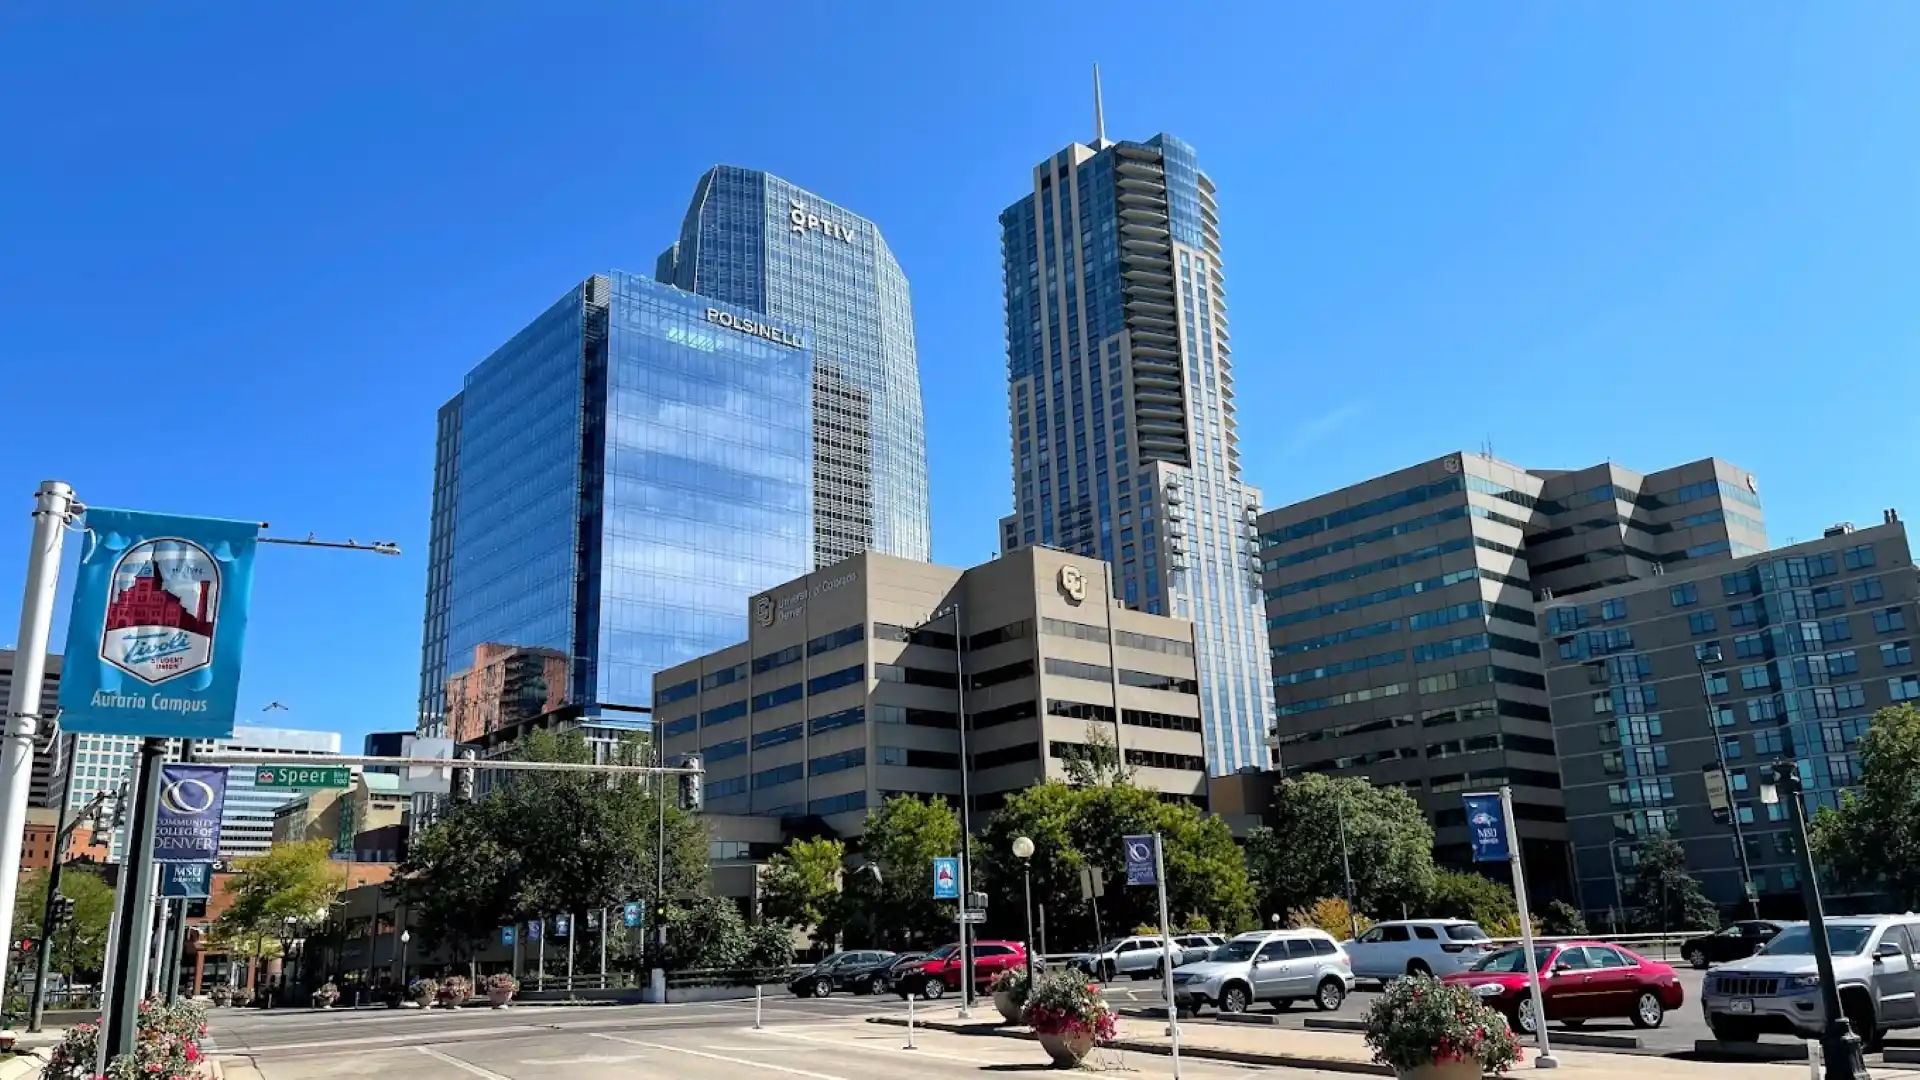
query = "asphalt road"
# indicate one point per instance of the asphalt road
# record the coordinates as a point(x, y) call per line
point(810, 1040)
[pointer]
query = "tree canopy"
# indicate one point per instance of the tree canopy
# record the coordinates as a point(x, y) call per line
point(1389, 845)
point(1664, 896)
point(1467, 895)
point(542, 844)
point(1873, 840)
point(800, 886)
point(291, 881)
point(893, 903)
point(80, 945)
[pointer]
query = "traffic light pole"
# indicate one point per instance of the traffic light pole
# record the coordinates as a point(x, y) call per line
point(50, 914)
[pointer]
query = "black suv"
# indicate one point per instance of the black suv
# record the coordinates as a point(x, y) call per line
point(855, 971)
point(1735, 942)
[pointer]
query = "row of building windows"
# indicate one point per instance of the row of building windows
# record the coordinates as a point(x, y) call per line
point(1381, 596)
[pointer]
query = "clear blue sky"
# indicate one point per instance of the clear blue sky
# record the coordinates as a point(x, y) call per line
point(247, 249)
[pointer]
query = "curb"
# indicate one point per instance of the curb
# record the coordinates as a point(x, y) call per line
point(1208, 1053)
point(1715, 1050)
point(25, 1064)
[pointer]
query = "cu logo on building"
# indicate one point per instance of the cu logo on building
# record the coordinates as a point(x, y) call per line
point(1073, 583)
point(763, 610)
point(188, 797)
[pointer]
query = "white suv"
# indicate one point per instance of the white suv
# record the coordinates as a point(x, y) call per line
point(1417, 947)
point(1280, 966)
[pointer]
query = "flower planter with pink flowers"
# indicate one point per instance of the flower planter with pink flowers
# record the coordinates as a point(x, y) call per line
point(1429, 1030)
point(1069, 1016)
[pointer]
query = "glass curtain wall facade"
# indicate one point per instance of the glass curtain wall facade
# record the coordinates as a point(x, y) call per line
point(758, 242)
point(611, 483)
point(1120, 395)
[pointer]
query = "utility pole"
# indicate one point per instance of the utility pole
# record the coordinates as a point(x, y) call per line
point(53, 505)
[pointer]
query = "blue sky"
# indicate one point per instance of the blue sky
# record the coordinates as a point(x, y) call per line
point(280, 235)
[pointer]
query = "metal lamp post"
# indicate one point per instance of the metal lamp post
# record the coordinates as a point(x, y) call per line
point(1023, 850)
point(405, 936)
point(1839, 1046)
point(1346, 862)
point(1710, 654)
point(966, 803)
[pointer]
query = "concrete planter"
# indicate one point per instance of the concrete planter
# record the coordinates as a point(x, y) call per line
point(1068, 1049)
point(1437, 1070)
point(1009, 1011)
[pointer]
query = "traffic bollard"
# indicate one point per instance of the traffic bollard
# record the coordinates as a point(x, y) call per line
point(756, 1006)
point(910, 1045)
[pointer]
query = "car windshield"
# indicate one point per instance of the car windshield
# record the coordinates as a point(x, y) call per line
point(1798, 941)
point(1237, 949)
point(1113, 945)
point(1510, 961)
point(1467, 932)
point(943, 952)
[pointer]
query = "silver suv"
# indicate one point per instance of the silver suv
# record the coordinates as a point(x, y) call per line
point(1777, 991)
point(1281, 966)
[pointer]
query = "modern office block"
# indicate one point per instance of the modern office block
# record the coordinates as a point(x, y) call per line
point(610, 485)
point(1121, 407)
point(1404, 634)
point(849, 689)
point(1781, 655)
point(50, 749)
point(760, 244)
point(246, 824)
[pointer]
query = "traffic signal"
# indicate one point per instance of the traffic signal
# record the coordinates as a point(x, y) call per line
point(692, 797)
point(26, 945)
point(62, 910)
point(659, 914)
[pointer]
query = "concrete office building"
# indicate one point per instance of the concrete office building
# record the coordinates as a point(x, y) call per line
point(757, 242)
point(848, 689)
point(1404, 636)
point(1125, 441)
point(1786, 654)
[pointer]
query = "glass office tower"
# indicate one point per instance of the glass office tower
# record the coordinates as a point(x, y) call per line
point(611, 484)
point(1120, 394)
point(753, 240)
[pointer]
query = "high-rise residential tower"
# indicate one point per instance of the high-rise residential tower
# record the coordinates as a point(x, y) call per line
point(755, 241)
point(609, 486)
point(1120, 400)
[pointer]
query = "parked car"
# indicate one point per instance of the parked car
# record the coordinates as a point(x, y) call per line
point(853, 971)
point(883, 982)
point(1193, 948)
point(1279, 966)
point(1736, 942)
point(1579, 981)
point(940, 971)
point(1417, 947)
point(1777, 990)
point(1136, 957)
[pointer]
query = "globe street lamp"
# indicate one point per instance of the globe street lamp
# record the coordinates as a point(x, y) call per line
point(1023, 850)
point(1839, 1046)
point(405, 936)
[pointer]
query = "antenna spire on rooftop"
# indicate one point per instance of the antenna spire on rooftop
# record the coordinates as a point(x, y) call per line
point(1099, 115)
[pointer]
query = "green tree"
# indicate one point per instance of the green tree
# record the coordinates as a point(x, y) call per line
point(1298, 862)
point(706, 932)
point(1458, 895)
point(1872, 842)
point(291, 881)
point(1077, 827)
point(80, 945)
point(1664, 896)
point(542, 844)
point(800, 887)
point(1562, 919)
point(1097, 762)
point(893, 902)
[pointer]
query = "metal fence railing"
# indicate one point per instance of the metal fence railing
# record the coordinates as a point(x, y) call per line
point(776, 976)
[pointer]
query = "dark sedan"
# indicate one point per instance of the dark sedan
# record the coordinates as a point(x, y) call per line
point(883, 982)
point(1736, 942)
point(855, 971)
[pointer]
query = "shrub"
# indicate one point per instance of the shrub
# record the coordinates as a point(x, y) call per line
point(423, 990)
point(501, 982)
point(1419, 1020)
point(455, 989)
point(167, 1046)
point(1013, 982)
point(1330, 915)
point(1562, 919)
point(1064, 1003)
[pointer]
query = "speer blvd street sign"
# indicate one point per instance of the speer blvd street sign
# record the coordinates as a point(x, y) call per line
point(294, 776)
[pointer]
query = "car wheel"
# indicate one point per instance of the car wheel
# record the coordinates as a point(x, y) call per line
point(1730, 1030)
point(1233, 999)
point(1858, 1010)
point(1105, 974)
point(933, 989)
point(1417, 968)
point(1698, 958)
point(1648, 1012)
point(1329, 995)
point(822, 987)
point(1523, 1018)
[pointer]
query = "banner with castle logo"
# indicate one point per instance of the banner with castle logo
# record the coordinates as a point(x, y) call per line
point(158, 624)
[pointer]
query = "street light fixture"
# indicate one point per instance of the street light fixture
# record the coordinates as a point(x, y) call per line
point(1702, 656)
point(1346, 862)
point(1023, 850)
point(1839, 1046)
point(966, 803)
point(405, 936)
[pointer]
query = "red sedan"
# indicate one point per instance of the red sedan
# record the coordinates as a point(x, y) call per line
point(1579, 981)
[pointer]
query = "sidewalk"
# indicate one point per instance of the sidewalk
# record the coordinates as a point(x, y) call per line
point(1334, 1051)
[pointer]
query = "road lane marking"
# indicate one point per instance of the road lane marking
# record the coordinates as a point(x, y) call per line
point(790, 1071)
point(463, 1066)
point(919, 1052)
point(587, 1059)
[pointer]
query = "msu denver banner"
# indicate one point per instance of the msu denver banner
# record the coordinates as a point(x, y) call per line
point(159, 619)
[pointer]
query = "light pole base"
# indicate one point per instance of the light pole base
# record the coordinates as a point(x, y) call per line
point(1546, 1061)
point(1840, 1051)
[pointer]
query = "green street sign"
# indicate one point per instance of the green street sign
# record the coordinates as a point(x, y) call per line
point(303, 776)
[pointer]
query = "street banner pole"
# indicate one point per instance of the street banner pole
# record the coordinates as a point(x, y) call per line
point(1495, 838)
point(52, 505)
point(110, 967)
point(1147, 866)
point(120, 1008)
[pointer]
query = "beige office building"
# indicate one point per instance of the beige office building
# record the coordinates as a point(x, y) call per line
point(849, 688)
